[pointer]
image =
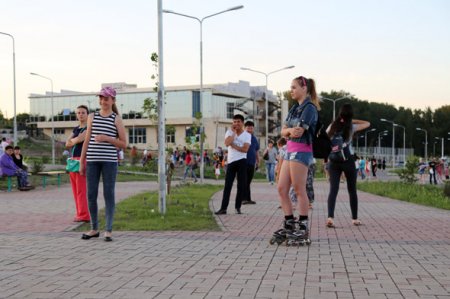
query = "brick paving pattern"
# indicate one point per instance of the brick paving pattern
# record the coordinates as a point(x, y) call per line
point(401, 251)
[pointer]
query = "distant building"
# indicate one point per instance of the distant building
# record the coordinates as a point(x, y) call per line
point(220, 103)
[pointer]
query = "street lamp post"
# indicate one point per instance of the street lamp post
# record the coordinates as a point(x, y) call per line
point(14, 81)
point(442, 146)
point(404, 143)
point(267, 99)
point(365, 140)
point(202, 163)
point(426, 142)
point(393, 140)
point(334, 103)
point(357, 144)
point(384, 133)
point(53, 123)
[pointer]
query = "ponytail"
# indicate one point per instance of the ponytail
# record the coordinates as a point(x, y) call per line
point(114, 108)
point(310, 89)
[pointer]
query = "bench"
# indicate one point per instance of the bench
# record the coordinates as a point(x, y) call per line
point(46, 174)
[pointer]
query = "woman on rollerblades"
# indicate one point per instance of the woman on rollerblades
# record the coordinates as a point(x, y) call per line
point(299, 128)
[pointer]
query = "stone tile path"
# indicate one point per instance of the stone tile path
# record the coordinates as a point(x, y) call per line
point(401, 251)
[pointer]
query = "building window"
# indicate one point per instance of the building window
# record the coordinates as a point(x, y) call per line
point(137, 135)
point(170, 134)
point(195, 103)
point(59, 131)
point(230, 110)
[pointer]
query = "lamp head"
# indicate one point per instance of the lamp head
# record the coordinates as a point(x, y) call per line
point(383, 119)
point(236, 7)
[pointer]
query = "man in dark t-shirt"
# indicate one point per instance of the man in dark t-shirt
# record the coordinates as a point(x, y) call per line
point(432, 170)
point(252, 161)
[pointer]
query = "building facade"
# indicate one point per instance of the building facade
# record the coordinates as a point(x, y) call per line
point(182, 103)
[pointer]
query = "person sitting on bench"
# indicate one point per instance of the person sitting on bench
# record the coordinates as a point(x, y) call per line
point(9, 168)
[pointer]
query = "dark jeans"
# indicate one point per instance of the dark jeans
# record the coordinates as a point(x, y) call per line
point(335, 171)
point(433, 176)
point(108, 171)
point(22, 178)
point(250, 174)
point(238, 168)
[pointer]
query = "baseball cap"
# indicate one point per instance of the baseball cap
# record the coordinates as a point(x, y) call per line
point(107, 92)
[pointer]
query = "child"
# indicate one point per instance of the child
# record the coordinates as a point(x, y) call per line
point(217, 170)
point(282, 150)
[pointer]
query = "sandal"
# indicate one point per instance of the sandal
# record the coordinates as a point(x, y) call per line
point(330, 222)
point(356, 222)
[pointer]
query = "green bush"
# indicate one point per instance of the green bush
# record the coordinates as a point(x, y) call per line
point(37, 166)
point(45, 159)
point(408, 174)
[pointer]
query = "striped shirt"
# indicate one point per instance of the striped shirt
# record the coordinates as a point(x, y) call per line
point(102, 151)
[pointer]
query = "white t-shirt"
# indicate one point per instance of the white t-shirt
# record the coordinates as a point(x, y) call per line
point(4, 144)
point(235, 155)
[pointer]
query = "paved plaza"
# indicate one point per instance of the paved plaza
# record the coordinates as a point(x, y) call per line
point(401, 251)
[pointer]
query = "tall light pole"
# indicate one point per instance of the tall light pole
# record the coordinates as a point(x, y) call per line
point(202, 163)
point(404, 143)
point(162, 172)
point(334, 103)
point(393, 139)
point(53, 123)
point(365, 140)
point(442, 146)
point(14, 80)
point(384, 133)
point(267, 89)
point(426, 142)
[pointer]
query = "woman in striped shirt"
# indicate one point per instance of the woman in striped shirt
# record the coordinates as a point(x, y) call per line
point(105, 134)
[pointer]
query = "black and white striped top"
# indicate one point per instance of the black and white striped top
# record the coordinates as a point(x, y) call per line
point(102, 151)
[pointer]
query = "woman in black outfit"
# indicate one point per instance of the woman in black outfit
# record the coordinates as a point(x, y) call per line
point(345, 125)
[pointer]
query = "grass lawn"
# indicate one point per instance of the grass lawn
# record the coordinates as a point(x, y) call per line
point(187, 210)
point(426, 195)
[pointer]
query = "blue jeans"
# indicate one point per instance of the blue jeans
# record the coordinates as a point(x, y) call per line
point(108, 171)
point(270, 167)
point(186, 171)
point(22, 177)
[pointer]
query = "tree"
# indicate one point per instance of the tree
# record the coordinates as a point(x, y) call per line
point(150, 106)
point(194, 131)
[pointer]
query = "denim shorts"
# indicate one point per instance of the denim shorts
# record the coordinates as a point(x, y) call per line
point(305, 158)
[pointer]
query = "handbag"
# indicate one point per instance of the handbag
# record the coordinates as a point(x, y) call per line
point(266, 156)
point(72, 165)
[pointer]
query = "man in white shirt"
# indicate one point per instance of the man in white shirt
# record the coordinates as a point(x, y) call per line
point(238, 142)
point(4, 144)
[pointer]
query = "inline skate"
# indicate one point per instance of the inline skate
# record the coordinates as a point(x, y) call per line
point(299, 236)
point(280, 236)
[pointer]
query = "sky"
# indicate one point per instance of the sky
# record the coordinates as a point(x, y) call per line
point(386, 51)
